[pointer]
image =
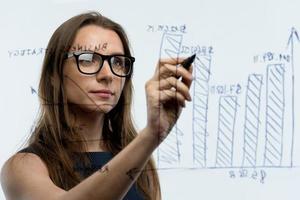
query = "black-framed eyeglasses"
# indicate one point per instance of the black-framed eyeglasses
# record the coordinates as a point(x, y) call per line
point(91, 63)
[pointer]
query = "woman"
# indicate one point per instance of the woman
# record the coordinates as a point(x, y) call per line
point(84, 145)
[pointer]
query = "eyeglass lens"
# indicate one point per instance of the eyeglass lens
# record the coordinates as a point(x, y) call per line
point(90, 63)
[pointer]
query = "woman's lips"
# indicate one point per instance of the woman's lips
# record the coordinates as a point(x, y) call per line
point(102, 93)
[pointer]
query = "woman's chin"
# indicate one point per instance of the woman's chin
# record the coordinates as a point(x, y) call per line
point(103, 108)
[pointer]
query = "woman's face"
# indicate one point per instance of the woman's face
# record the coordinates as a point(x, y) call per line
point(101, 91)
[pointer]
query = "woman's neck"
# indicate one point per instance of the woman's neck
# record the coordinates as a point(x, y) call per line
point(90, 125)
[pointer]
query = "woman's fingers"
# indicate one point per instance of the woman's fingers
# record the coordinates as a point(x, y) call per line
point(172, 61)
point(175, 84)
point(168, 70)
point(188, 81)
point(167, 95)
point(172, 80)
point(168, 90)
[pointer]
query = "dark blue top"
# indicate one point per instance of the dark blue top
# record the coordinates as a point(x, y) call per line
point(98, 159)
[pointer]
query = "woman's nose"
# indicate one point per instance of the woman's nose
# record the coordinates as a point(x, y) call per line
point(105, 73)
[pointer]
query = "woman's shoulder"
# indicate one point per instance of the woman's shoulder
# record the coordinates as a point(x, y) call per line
point(19, 169)
point(24, 158)
point(21, 161)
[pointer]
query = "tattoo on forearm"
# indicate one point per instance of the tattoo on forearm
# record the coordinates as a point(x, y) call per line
point(131, 173)
point(104, 169)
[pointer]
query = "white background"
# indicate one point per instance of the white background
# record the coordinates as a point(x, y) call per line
point(237, 30)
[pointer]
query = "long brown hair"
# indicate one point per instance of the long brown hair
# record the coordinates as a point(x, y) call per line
point(54, 132)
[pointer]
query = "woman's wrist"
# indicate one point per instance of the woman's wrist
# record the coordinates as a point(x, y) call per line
point(151, 135)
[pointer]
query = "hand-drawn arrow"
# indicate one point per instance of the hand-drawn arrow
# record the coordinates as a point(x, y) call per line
point(33, 90)
point(293, 36)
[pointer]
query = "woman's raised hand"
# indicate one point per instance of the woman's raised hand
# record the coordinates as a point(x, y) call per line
point(166, 94)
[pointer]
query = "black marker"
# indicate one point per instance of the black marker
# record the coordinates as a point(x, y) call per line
point(188, 61)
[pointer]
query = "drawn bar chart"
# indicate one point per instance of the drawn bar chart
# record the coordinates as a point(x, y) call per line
point(275, 106)
point(226, 124)
point(169, 150)
point(252, 122)
point(200, 109)
point(249, 126)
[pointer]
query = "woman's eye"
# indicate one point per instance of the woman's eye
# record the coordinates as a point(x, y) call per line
point(85, 62)
point(118, 61)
